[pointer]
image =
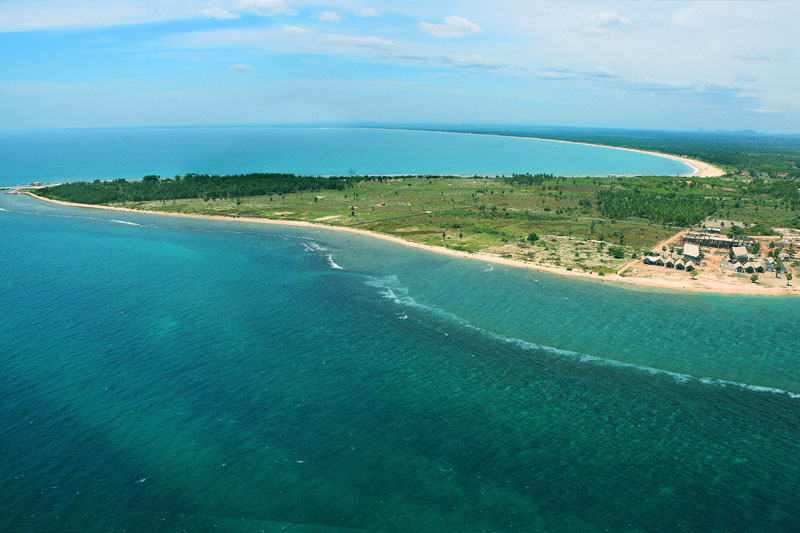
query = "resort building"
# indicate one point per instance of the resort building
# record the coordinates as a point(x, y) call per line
point(691, 252)
point(715, 240)
point(740, 254)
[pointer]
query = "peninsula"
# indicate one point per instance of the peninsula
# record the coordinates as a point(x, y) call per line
point(609, 229)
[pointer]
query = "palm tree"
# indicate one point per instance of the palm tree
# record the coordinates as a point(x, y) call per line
point(789, 279)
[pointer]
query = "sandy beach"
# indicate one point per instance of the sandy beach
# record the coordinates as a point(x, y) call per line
point(684, 284)
point(700, 169)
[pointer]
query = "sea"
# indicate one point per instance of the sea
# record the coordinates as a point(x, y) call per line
point(58, 155)
point(171, 374)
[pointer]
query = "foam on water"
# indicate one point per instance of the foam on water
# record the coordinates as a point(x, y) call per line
point(220, 364)
point(391, 288)
point(332, 263)
point(125, 222)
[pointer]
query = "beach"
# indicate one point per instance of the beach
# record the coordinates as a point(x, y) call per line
point(685, 284)
point(700, 169)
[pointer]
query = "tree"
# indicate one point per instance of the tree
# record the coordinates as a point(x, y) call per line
point(616, 251)
point(533, 237)
point(754, 278)
point(443, 236)
point(460, 236)
point(789, 279)
point(693, 273)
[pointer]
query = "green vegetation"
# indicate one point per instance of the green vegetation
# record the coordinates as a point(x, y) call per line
point(588, 224)
point(671, 208)
point(746, 153)
point(207, 187)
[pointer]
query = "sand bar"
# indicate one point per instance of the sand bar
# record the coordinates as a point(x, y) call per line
point(687, 284)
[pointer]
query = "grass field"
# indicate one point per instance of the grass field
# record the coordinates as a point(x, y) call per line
point(556, 221)
point(481, 214)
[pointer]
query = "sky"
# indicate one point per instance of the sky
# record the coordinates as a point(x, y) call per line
point(629, 64)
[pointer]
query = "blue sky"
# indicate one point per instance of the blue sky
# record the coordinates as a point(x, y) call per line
point(639, 64)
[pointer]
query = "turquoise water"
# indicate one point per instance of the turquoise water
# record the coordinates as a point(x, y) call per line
point(132, 153)
point(191, 375)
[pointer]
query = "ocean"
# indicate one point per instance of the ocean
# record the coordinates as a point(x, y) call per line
point(177, 374)
point(57, 155)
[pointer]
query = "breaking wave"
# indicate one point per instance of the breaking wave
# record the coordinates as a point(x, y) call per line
point(391, 288)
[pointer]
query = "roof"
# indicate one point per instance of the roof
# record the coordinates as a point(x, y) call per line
point(739, 250)
point(691, 250)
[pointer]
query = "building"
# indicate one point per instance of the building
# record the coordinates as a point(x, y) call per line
point(691, 252)
point(715, 240)
point(740, 254)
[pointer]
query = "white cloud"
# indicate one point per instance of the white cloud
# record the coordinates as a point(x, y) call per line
point(294, 29)
point(564, 73)
point(368, 12)
point(785, 53)
point(473, 62)
point(327, 16)
point(39, 14)
point(765, 110)
point(241, 68)
point(605, 23)
point(219, 13)
point(264, 7)
point(453, 28)
point(374, 43)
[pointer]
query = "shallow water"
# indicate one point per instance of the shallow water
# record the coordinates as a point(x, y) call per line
point(186, 374)
point(53, 155)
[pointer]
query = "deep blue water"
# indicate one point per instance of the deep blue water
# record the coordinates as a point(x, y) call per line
point(56, 155)
point(172, 374)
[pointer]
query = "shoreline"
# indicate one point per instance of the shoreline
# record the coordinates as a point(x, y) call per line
point(703, 286)
point(701, 168)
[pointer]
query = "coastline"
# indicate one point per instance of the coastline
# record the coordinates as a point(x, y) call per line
point(701, 168)
point(698, 286)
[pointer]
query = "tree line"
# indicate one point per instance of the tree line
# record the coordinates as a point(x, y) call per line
point(190, 186)
point(663, 208)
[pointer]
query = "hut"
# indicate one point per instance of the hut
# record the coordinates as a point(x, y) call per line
point(739, 268)
point(669, 263)
point(679, 265)
point(690, 265)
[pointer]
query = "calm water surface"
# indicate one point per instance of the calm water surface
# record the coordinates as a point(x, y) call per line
point(132, 153)
point(178, 374)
